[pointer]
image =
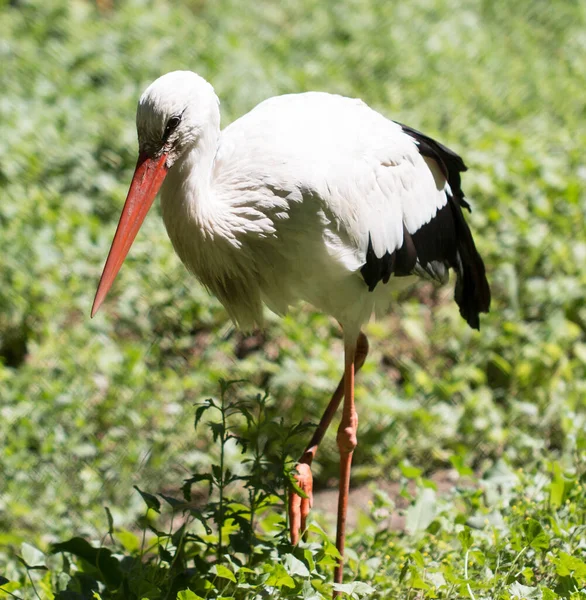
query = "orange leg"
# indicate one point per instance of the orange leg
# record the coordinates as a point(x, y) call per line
point(298, 506)
point(347, 441)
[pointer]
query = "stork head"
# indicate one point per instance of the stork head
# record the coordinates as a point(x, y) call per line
point(172, 116)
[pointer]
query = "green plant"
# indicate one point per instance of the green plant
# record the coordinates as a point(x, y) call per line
point(509, 535)
point(239, 521)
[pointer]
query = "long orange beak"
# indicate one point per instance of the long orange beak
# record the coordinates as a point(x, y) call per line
point(146, 181)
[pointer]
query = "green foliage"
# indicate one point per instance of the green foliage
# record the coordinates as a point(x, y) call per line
point(90, 409)
point(498, 537)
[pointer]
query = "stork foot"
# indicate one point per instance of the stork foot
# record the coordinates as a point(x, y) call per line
point(298, 506)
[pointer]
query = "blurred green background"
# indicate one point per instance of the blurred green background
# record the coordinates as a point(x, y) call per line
point(90, 407)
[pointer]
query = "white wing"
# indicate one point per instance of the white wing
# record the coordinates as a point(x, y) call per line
point(365, 172)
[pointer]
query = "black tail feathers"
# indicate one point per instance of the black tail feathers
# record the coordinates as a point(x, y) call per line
point(472, 292)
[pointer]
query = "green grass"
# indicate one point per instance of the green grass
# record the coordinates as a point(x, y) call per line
point(88, 409)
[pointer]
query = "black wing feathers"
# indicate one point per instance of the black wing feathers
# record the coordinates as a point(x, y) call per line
point(445, 241)
point(448, 161)
point(436, 240)
point(401, 262)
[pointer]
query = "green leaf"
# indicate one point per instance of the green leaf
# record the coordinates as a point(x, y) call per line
point(173, 502)
point(410, 471)
point(421, 514)
point(100, 558)
point(32, 556)
point(218, 430)
point(524, 592)
point(570, 566)
point(224, 572)
point(29, 567)
point(293, 483)
point(465, 538)
point(201, 409)
point(151, 501)
point(458, 463)
point(535, 536)
point(188, 595)
point(129, 540)
point(295, 567)
point(557, 487)
point(278, 577)
point(110, 520)
point(195, 478)
point(356, 589)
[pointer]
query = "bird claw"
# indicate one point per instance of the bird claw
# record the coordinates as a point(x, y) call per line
point(298, 506)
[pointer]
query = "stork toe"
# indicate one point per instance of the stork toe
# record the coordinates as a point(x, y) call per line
point(299, 506)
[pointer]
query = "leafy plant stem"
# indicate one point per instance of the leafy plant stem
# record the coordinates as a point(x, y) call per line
point(257, 458)
point(142, 543)
point(33, 584)
point(221, 475)
point(510, 571)
point(466, 575)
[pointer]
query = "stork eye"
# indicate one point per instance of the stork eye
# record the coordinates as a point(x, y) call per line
point(172, 124)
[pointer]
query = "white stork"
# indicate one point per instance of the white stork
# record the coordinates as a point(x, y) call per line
point(312, 197)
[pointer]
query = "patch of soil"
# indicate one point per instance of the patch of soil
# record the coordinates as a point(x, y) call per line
point(326, 501)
